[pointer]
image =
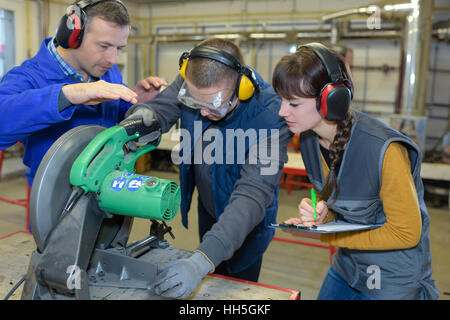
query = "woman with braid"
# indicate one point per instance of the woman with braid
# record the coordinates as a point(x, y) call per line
point(365, 172)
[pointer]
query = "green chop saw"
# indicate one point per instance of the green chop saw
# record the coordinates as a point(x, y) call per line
point(83, 200)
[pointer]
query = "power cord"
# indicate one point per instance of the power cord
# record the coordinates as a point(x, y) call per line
point(11, 292)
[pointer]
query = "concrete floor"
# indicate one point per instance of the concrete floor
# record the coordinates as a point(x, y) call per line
point(285, 265)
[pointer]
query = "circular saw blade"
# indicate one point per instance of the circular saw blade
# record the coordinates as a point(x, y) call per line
point(51, 186)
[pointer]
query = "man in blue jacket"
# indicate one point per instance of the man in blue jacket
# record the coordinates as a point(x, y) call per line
point(73, 80)
point(233, 149)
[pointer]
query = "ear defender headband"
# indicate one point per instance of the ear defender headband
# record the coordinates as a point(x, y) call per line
point(72, 25)
point(334, 98)
point(246, 85)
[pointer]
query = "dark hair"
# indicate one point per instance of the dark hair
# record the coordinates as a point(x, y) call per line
point(111, 11)
point(204, 72)
point(303, 75)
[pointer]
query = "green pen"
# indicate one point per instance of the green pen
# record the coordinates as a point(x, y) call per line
point(313, 199)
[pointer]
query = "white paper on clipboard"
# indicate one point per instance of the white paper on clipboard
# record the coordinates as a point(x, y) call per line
point(329, 227)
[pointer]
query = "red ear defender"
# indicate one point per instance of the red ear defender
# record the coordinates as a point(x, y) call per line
point(322, 106)
point(334, 98)
point(334, 101)
point(69, 33)
point(74, 39)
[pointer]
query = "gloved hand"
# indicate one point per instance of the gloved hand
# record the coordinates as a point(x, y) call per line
point(143, 112)
point(140, 111)
point(181, 277)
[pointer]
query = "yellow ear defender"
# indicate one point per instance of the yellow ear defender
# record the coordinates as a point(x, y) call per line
point(183, 68)
point(246, 85)
point(245, 88)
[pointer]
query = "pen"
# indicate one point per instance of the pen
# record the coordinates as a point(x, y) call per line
point(313, 199)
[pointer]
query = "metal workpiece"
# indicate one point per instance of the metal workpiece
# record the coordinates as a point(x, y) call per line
point(111, 268)
point(108, 270)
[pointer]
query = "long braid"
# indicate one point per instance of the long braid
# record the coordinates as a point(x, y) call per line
point(336, 150)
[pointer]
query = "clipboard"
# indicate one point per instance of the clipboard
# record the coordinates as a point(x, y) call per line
point(329, 227)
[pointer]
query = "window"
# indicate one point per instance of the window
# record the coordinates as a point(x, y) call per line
point(7, 46)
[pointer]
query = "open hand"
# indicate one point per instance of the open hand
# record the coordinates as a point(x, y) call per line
point(92, 93)
point(148, 88)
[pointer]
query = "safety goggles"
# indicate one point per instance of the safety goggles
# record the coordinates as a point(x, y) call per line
point(216, 103)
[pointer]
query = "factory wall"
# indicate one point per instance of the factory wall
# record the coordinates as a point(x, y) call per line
point(376, 63)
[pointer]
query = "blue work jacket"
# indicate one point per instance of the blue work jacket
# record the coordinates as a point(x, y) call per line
point(29, 107)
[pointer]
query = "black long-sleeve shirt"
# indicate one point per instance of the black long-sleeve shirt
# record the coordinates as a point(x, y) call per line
point(252, 193)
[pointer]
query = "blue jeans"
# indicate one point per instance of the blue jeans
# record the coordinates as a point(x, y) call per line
point(334, 287)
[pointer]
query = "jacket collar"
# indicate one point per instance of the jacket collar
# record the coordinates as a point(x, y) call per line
point(47, 62)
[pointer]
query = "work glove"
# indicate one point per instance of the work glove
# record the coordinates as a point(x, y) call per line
point(143, 112)
point(180, 278)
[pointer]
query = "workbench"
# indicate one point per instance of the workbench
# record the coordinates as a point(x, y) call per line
point(16, 249)
point(438, 172)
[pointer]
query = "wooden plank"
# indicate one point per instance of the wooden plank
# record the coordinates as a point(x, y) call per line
point(170, 140)
point(213, 287)
point(295, 161)
point(15, 253)
point(435, 171)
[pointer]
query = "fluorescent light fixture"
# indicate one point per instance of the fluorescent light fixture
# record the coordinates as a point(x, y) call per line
point(293, 48)
point(228, 36)
point(267, 35)
point(400, 7)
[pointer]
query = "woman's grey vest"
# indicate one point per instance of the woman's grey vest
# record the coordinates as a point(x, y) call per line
point(384, 274)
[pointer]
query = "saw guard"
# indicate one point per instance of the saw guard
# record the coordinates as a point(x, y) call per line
point(51, 186)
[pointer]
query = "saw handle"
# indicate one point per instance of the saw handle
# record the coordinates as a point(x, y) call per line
point(137, 126)
point(105, 154)
point(134, 126)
